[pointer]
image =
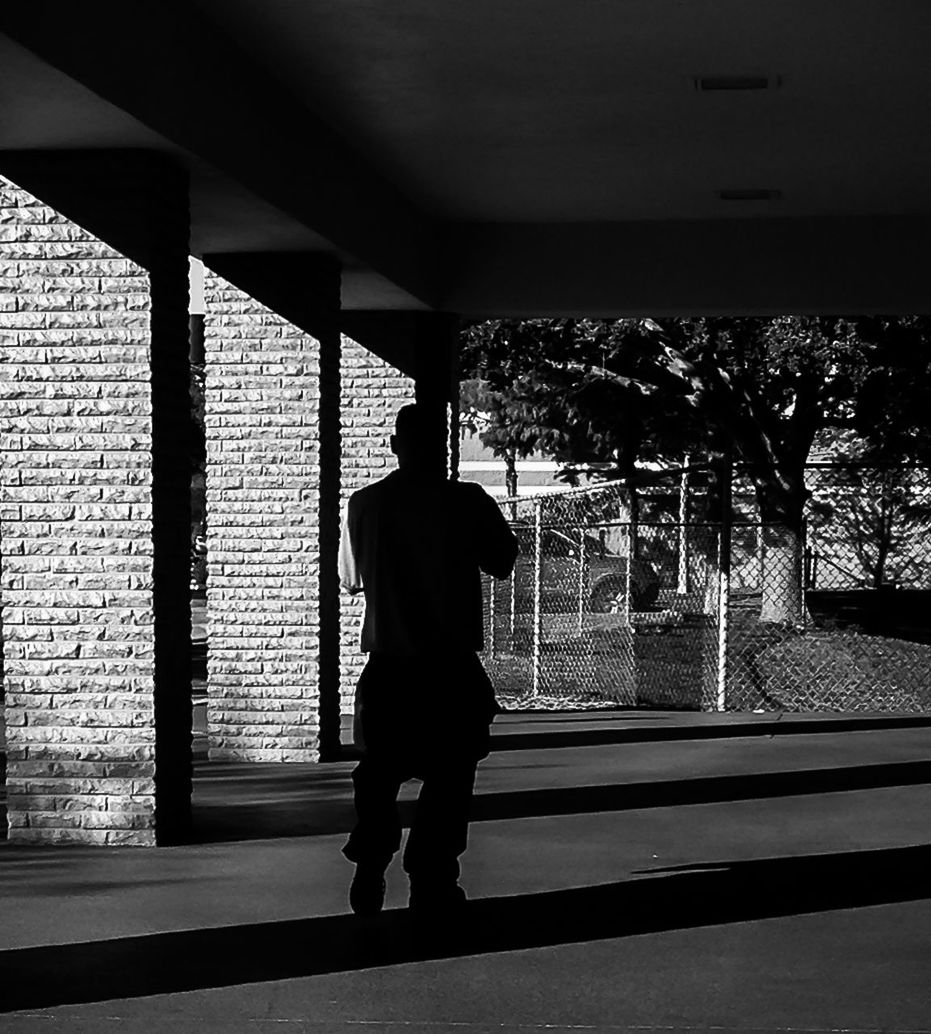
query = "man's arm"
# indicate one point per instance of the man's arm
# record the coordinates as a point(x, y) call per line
point(349, 576)
point(497, 544)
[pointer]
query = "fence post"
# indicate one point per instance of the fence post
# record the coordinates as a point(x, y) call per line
point(805, 573)
point(581, 579)
point(724, 581)
point(631, 540)
point(512, 581)
point(683, 582)
point(761, 556)
point(492, 598)
point(537, 579)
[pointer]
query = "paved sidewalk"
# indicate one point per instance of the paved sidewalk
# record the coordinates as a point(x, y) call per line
point(738, 882)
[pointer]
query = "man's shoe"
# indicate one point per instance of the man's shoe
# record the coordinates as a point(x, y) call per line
point(367, 890)
point(436, 900)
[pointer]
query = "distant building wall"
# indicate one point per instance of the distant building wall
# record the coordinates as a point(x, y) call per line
point(478, 463)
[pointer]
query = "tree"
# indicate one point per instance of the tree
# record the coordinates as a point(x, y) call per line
point(598, 391)
point(480, 412)
point(545, 392)
point(878, 504)
point(891, 413)
point(873, 516)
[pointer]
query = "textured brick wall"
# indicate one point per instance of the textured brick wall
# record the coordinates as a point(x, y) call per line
point(75, 531)
point(77, 524)
point(262, 475)
point(372, 393)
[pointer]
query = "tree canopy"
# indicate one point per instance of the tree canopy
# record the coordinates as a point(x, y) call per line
point(601, 395)
point(605, 394)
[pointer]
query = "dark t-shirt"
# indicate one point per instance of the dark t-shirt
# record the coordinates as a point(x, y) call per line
point(416, 548)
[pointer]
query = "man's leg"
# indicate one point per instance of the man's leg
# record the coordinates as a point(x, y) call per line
point(439, 832)
point(377, 833)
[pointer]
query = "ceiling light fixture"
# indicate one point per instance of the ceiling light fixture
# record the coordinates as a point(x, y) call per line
point(708, 83)
point(750, 195)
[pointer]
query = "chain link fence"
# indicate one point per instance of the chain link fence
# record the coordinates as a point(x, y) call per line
point(856, 634)
point(664, 612)
point(869, 527)
point(601, 609)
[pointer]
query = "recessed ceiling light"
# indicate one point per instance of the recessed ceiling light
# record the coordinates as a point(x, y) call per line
point(707, 83)
point(750, 195)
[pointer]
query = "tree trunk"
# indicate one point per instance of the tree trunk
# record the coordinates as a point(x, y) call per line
point(782, 596)
point(781, 510)
point(884, 540)
point(510, 474)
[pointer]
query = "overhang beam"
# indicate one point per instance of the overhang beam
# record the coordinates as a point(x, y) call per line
point(212, 101)
point(754, 267)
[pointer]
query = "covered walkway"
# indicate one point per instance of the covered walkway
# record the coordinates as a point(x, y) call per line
point(374, 173)
point(626, 872)
point(349, 172)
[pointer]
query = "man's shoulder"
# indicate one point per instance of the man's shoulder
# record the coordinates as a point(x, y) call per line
point(473, 501)
point(472, 491)
point(464, 493)
point(364, 497)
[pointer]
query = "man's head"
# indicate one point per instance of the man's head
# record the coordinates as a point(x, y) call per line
point(418, 442)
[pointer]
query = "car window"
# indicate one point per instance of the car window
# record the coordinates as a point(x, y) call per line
point(556, 544)
point(524, 537)
point(593, 546)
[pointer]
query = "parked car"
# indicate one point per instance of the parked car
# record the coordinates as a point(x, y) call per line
point(603, 574)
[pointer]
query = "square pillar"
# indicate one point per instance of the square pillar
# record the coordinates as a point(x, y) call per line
point(371, 393)
point(328, 510)
point(95, 497)
point(373, 390)
point(272, 414)
point(436, 382)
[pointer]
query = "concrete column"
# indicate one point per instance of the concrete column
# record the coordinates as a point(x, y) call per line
point(374, 387)
point(94, 497)
point(328, 509)
point(272, 360)
point(371, 393)
point(436, 382)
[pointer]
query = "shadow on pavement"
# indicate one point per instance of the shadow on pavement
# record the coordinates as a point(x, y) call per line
point(699, 790)
point(724, 892)
point(768, 726)
point(311, 805)
point(614, 714)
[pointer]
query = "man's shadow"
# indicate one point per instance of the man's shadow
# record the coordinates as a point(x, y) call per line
point(653, 900)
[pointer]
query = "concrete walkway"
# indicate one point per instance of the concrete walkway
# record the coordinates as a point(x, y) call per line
point(627, 872)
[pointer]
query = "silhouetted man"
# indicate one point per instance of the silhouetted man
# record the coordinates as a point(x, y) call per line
point(415, 544)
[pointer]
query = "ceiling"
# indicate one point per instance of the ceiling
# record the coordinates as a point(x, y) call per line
point(531, 157)
point(554, 110)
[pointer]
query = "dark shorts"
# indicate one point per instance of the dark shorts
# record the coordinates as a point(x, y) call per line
point(420, 709)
